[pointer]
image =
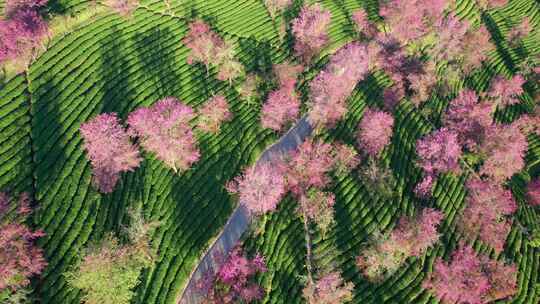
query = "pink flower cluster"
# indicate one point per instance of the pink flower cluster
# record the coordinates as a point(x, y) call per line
point(374, 131)
point(439, 152)
point(310, 31)
point(261, 188)
point(533, 192)
point(410, 19)
point(208, 48)
point(20, 259)
point(22, 29)
point(109, 149)
point(164, 130)
point(308, 166)
point(360, 19)
point(331, 88)
point(329, 289)
point(504, 148)
point(468, 118)
point(233, 281)
point(488, 205)
point(411, 237)
point(282, 105)
point(469, 278)
point(214, 112)
point(506, 91)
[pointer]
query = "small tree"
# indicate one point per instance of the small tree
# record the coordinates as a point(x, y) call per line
point(374, 131)
point(345, 157)
point(164, 129)
point(310, 31)
point(308, 166)
point(109, 270)
point(22, 30)
point(213, 114)
point(281, 108)
point(260, 188)
point(208, 48)
point(469, 119)
point(484, 216)
point(503, 151)
point(411, 237)
point(20, 258)
point(233, 281)
point(506, 91)
point(109, 149)
point(439, 152)
point(332, 86)
point(329, 289)
point(318, 206)
point(470, 278)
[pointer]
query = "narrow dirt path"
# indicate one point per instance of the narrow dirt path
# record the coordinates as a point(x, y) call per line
point(239, 221)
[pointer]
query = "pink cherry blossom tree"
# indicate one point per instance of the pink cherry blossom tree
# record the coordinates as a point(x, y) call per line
point(260, 188)
point(109, 149)
point(20, 258)
point(22, 29)
point(209, 49)
point(233, 282)
point(506, 91)
point(363, 26)
point(374, 131)
point(281, 108)
point(484, 217)
point(469, 118)
point(410, 19)
point(439, 152)
point(332, 86)
point(164, 129)
point(310, 30)
point(503, 149)
point(308, 166)
point(329, 289)
point(469, 278)
point(213, 113)
point(411, 237)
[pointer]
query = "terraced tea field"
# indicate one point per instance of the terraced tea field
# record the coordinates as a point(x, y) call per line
point(114, 64)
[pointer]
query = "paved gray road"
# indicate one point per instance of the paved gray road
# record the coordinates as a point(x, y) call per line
point(240, 218)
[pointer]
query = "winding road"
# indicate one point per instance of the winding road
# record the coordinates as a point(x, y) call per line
point(240, 218)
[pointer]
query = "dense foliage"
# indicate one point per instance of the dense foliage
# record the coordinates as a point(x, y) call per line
point(470, 278)
point(164, 129)
point(109, 270)
point(411, 237)
point(109, 149)
point(20, 258)
point(233, 281)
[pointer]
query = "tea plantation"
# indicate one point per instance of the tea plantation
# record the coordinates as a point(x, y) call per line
point(114, 64)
